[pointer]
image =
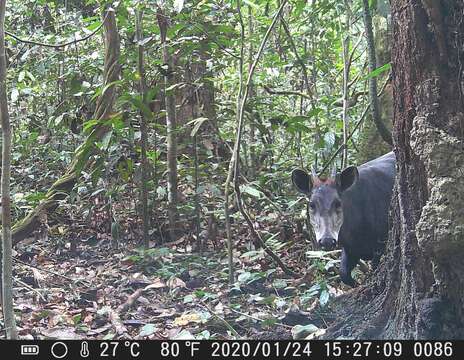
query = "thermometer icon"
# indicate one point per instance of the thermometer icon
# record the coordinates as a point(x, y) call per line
point(85, 349)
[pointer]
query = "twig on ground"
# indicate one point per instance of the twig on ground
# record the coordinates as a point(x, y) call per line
point(258, 319)
point(30, 288)
point(84, 282)
point(115, 320)
point(224, 321)
point(131, 299)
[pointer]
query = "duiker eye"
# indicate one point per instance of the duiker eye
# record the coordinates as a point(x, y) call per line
point(312, 205)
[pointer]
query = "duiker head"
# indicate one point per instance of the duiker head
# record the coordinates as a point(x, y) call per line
point(325, 201)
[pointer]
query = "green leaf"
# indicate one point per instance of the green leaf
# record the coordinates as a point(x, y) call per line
point(279, 283)
point(21, 76)
point(148, 329)
point(269, 322)
point(106, 140)
point(329, 139)
point(301, 331)
point(184, 335)
point(59, 119)
point(83, 153)
point(204, 335)
point(251, 191)
point(30, 76)
point(150, 95)
point(252, 4)
point(138, 103)
point(199, 293)
point(178, 5)
point(173, 87)
point(293, 203)
point(377, 71)
point(161, 192)
point(243, 277)
point(94, 25)
point(188, 298)
point(324, 297)
point(102, 91)
point(77, 319)
point(89, 125)
point(14, 95)
point(315, 112)
point(198, 122)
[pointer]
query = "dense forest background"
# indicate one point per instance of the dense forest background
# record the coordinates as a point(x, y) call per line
point(152, 146)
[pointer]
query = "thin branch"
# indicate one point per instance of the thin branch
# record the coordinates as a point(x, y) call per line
point(347, 58)
point(356, 78)
point(353, 99)
point(363, 115)
point(236, 155)
point(212, 39)
point(57, 46)
point(306, 81)
point(82, 281)
point(385, 134)
point(298, 58)
point(346, 105)
point(355, 47)
point(221, 319)
point(258, 319)
point(286, 92)
point(130, 301)
point(230, 242)
point(31, 289)
point(274, 205)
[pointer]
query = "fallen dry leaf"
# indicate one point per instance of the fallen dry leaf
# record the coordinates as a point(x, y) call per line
point(185, 319)
point(175, 282)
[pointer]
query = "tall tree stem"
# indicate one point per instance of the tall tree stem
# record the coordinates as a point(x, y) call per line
point(7, 257)
point(230, 243)
point(143, 126)
point(372, 60)
point(346, 79)
point(236, 154)
point(171, 124)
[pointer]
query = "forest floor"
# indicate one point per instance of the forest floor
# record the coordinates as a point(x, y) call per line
point(170, 292)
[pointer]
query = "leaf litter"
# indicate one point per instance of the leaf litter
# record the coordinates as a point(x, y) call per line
point(166, 293)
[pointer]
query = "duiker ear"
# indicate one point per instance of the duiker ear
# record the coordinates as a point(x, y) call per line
point(302, 181)
point(347, 177)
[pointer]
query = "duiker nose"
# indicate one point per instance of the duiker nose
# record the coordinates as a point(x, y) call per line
point(328, 243)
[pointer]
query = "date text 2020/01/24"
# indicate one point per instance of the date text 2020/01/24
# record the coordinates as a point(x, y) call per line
point(233, 349)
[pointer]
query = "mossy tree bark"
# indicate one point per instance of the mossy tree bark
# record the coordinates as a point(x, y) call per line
point(103, 111)
point(418, 290)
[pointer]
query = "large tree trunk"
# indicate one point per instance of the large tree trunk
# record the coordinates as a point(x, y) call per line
point(418, 290)
point(103, 111)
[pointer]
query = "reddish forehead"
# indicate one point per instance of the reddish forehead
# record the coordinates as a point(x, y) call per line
point(320, 182)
